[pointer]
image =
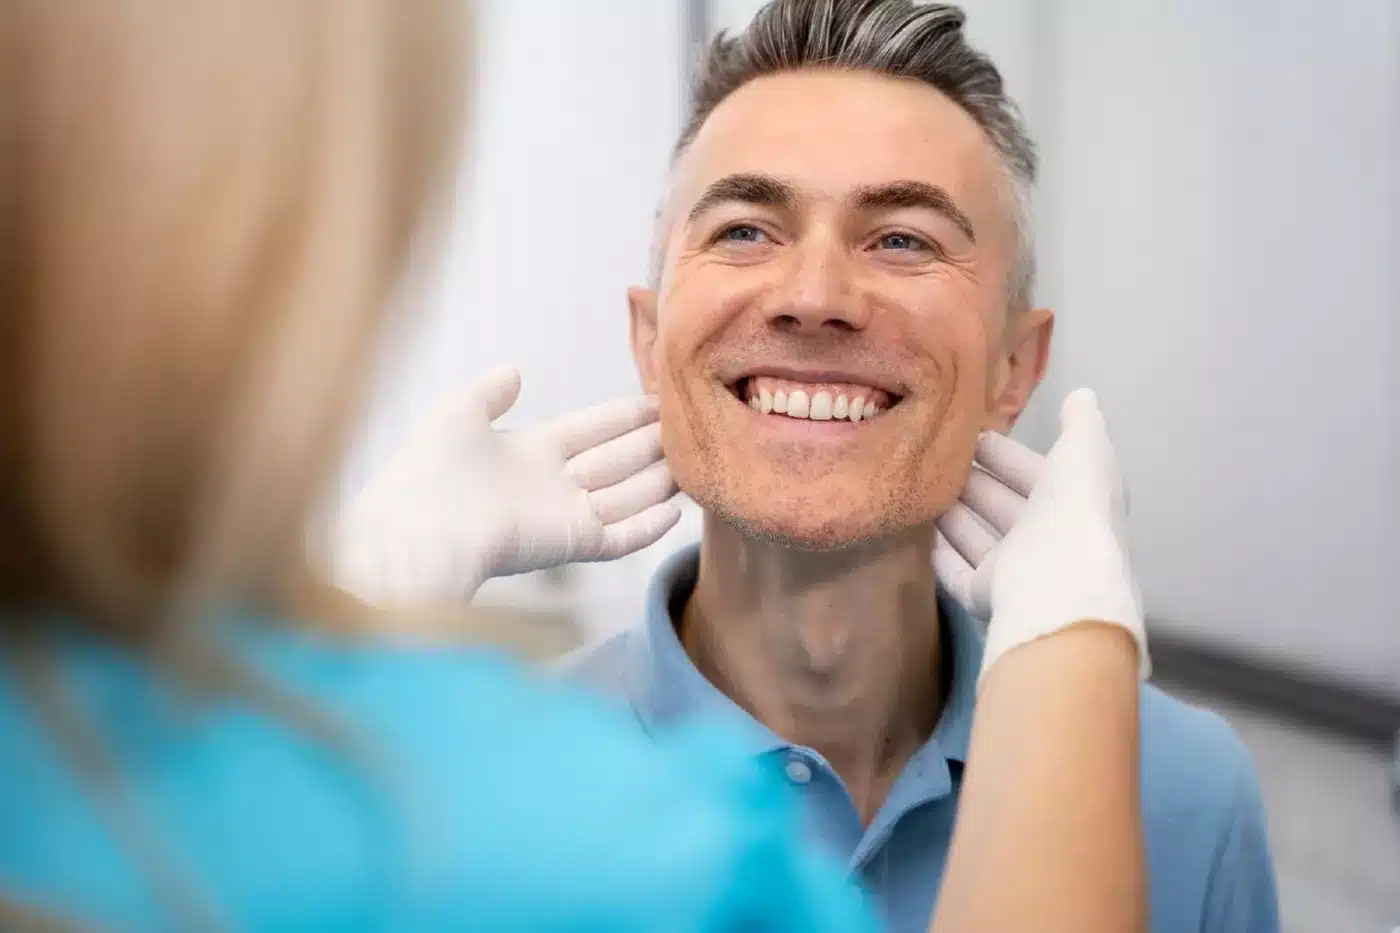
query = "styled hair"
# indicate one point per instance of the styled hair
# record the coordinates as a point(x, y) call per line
point(898, 38)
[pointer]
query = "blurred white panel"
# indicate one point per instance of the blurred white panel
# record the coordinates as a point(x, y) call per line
point(575, 108)
point(1225, 178)
point(732, 15)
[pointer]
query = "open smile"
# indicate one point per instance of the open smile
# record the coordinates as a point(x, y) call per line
point(835, 399)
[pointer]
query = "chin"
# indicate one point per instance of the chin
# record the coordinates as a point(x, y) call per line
point(808, 523)
point(810, 488)
point(808, 539)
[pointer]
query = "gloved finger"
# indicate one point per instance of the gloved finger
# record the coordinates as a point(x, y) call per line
point(1084, 441)
point(1080, 411)
point(966, 533)
point(580, 430)
point(979, 599)
point(997, 505)
point(952, 569)
point(639, 491)
point(619, 458)
point(1011, 462)
point(639, 531)
point(496, 391)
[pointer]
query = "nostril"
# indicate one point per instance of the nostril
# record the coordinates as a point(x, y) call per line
point(795, 322)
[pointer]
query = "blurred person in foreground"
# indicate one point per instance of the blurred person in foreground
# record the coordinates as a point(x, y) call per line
point(842, 303)
point(202, 208)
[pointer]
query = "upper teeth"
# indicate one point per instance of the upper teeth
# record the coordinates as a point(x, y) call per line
point(814, 402)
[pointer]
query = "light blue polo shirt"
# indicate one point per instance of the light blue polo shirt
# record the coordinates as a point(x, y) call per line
point(1207, 846)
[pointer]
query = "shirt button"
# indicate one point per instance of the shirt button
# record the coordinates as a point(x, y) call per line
point(798, 771)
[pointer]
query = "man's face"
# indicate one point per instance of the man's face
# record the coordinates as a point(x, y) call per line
point(831, 334)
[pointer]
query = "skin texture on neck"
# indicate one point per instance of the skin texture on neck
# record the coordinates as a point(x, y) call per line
point(837, 651)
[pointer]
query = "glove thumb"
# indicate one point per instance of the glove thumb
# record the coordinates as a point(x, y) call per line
point(497, 391)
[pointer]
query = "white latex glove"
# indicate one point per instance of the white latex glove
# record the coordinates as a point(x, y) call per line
point(1066, 559)
point(464, 502)
point(1003, 474)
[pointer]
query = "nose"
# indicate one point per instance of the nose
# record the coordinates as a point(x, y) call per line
point(818, 291)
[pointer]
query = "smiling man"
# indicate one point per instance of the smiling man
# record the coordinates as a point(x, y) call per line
point(841, 304)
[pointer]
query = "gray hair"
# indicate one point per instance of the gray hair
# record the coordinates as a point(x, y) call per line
point(898, 38)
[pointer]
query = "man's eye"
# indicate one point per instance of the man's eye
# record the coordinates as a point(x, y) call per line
point(742, 233)
point(902, 241)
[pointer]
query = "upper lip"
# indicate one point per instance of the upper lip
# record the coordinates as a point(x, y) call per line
point(818, 375)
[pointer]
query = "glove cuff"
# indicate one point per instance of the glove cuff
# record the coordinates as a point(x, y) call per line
point(1009, 631)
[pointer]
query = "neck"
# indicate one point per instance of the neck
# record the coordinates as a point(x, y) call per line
point(837, 651)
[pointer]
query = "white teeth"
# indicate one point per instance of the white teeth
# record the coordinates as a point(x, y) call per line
point(822, 405)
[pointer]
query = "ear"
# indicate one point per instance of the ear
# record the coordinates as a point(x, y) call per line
point(641, 305)
point(1020, 366)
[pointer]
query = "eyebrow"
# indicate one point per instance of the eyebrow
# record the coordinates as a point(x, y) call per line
point(768, 191)
point(917, 194)
point(745, 188)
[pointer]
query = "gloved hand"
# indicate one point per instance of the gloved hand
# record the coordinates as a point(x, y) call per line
point(1003, 474)
point(464, 502)
point(1066, 558)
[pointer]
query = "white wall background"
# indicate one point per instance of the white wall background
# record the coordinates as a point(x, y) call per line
point(1217, 224)
point(577, 104)
point(1223, 244)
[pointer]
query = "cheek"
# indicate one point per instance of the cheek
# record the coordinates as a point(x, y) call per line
point(684, 433)
point(959, 346)
point(691, 321)
point(680, 326)
point(674, 362)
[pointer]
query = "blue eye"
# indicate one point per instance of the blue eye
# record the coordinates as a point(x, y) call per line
point(742, 233)
point(902, 241)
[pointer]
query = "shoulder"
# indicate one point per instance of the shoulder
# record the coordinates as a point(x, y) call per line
point(533, 785)
point(1193, 761)
point(495, 709)
point(601, 668)
point(470, 785)
point(1204, 819)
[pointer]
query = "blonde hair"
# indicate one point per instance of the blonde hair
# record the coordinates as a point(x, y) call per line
point(203, 206)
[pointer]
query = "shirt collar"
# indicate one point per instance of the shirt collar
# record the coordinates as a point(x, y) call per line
point(667, 688)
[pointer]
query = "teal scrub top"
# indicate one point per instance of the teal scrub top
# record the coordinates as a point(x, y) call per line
point(453, 790)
